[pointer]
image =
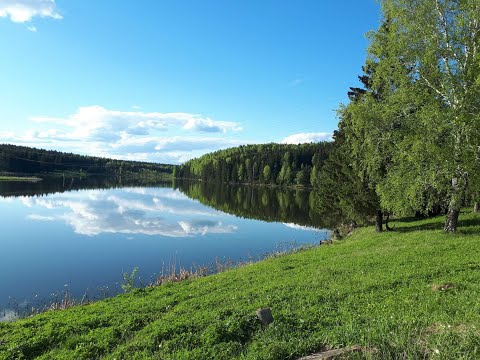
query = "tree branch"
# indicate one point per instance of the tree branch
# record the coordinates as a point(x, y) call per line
point(429, 84)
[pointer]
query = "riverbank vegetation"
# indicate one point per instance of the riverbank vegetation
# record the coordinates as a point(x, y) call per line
point(410, 293)
point(30, 179)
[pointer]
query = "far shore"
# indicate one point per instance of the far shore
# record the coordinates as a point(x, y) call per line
point(21, 178)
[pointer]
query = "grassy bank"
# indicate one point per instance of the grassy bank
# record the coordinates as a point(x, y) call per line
point(20, 178)
point(412, 293)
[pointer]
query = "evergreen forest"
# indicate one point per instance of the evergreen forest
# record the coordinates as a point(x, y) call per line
point(27, 160)
point(273, 164)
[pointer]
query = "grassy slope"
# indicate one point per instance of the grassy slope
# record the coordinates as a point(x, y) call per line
point(371, 289)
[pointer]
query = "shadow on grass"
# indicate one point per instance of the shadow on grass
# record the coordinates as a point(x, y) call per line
point(469, 226)
point(433, 225)
point(411, 219)
point(465, 226)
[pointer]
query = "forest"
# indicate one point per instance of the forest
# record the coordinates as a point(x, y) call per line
point(27, 160)
point(408, 139)
point(274, 164)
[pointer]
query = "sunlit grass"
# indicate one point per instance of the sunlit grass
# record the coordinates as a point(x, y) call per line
point(412, 293)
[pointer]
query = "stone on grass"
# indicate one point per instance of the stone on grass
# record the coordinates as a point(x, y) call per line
point(336, 353)
point(265, 316)
point(442, 287)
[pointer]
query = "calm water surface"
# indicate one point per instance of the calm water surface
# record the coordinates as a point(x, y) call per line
point(83, 240)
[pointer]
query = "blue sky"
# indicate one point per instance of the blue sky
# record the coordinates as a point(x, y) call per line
point(167, 80)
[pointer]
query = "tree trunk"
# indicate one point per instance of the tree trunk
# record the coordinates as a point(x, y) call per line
point(387, 227)
point(451, 220)
point(379, 221)
point(476, 207)
point(456, 202)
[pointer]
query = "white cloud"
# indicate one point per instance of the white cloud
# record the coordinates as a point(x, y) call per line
point(7, 135)
point(21, 11)
point(32, 28)
point(172, 157)
point(129, 135)
point(37, 217)
point(208, 125)
point(302, 138)
point(191, 143)
point(97, 122)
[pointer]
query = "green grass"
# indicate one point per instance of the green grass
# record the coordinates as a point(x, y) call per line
point(376, 290)
point(20, 178)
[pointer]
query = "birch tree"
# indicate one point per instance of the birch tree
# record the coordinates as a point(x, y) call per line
point(438, 107)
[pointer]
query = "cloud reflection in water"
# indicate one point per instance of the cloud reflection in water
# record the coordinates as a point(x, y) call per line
point(154, 211)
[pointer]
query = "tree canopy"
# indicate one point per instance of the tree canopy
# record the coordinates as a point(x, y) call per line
point(279, 164)
point(414, 130)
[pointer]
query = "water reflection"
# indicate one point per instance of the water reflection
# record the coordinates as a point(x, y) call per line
point(8, 315)
point(147, 211)
point(56, 184)
point(87, 237)
point(294, 207)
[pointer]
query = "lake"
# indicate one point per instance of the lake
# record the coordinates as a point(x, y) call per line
point(80, 236)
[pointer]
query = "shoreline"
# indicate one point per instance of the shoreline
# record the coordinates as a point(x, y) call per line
point(413, 291)
point(256, 184)
point(64, 300)
point(31, 179)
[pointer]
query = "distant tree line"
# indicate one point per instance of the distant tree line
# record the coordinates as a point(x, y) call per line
point(274, 164)
point(27, 160)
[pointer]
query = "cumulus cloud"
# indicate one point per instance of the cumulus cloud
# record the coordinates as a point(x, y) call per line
point(97, 122)
point(302, 138)
point(130, 135)
point(21, 11)
point(208, 125)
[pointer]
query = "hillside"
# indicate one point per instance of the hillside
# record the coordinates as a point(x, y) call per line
point(274, 164)
point(412, 293)
point(26, 160)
